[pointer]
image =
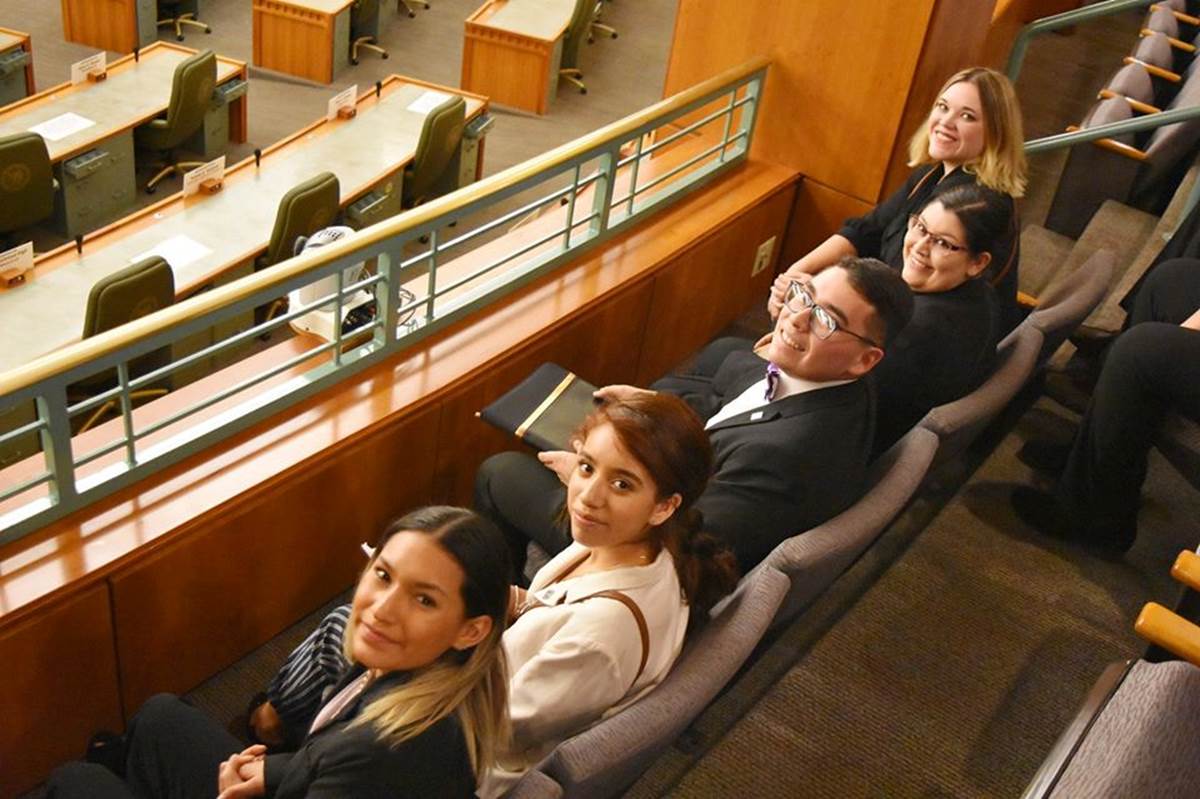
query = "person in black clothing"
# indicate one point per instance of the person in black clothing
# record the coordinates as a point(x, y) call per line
point(973, 135)
point(949, 346)
point(1152, 368)
point(421, 712)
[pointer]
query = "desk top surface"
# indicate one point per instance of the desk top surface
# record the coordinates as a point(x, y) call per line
point(216, 232)
point(321, 6)
point(541, 19)
point(9, 39)
point(132, 93)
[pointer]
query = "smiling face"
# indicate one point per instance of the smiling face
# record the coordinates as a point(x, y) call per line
point(957, 131)
point(796, 350)
point(931, 264)
point(611, 499)
point(408, 608)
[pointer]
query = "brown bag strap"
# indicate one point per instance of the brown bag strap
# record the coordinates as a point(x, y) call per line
point(643, 629)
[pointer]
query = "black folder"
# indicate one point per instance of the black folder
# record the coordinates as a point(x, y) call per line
point(544, 409)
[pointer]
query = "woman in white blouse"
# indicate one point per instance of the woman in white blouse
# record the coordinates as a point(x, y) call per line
point(601, 623)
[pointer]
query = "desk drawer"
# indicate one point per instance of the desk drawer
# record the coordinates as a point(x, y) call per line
point(97, 187)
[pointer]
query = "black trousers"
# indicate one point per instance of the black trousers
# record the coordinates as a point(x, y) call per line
point(174, 751)
point(525, 500)
point(1151, 368)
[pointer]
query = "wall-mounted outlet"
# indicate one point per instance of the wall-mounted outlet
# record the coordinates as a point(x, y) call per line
point(763, 257)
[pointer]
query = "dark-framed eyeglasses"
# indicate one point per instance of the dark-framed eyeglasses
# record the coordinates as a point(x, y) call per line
point(940, 244)
point(821, 322)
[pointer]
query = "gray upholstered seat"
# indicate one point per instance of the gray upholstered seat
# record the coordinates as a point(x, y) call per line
point(957, 423)
point(1070, 298)
point(814, 559)
point(1132, 81)
point(605, 759)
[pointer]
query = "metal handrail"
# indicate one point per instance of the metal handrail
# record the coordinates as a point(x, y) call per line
point(1016, 56)
point(1111, 129)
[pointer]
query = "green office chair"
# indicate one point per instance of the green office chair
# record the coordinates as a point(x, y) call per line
point(577, 30)
point(169, 14)
point(26, 182)
point(191, 93)
point(408, 7)
point(597, 25)
point(305, 209)
point(364, 29)
point(441, 136)
point(123, 296)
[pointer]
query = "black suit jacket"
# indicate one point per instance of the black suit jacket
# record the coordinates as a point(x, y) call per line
point(341, 761)
point(782, 468)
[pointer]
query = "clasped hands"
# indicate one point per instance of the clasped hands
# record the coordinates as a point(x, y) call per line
point(242, 774)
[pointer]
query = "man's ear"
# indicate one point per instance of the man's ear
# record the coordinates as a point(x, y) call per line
point(865, 362)
point(473, 631)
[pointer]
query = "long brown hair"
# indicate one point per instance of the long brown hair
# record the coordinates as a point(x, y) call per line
point(668, 439)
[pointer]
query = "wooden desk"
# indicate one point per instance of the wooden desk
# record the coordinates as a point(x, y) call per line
point(134, 92)
point(308, 38)
point(18, 83)
point(511, 51)
point(233, 226)
point(116, 25)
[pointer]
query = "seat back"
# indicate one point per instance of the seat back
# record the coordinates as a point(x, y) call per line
point(1155, 50)
point(191, 92)
point(440, 137)
point(606, 758)
point(812, 560)
point(26, 181)
point(131, 293)
point(957, 423)
point(1134, 82)
point(1161, 20)
point(577, 29)
point(1070, 298)
point(303, 210)
point(364, 19)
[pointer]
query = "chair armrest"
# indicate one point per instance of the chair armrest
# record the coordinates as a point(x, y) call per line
point(1170, 631)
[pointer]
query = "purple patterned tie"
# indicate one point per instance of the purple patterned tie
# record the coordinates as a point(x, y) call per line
point(772, 381)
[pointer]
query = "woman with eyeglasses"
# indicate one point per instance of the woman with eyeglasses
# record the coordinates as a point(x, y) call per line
point(949, 346)
point(973, 135)
point(419, 711)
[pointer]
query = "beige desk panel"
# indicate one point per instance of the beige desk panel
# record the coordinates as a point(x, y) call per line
point(48, 312)
point(540, 19)
point(7, 40)
point(321, 6)
point(129, 96)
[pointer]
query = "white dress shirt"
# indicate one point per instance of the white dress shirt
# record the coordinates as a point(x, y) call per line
point(755, 397)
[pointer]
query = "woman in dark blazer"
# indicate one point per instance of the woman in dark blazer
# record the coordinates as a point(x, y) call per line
point(421, 712)
point(973, 135)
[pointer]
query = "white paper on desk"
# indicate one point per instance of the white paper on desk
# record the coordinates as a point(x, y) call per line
point(346, 97)
point(93, 63)
point(62, 126)
point(179, 251)
point(192, 179)
point(20, 257)
point(427, 102)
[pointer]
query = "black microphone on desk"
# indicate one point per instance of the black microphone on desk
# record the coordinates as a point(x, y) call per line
point(79, 244)
point(378, 89)
point(135, 55)
point(257, 156)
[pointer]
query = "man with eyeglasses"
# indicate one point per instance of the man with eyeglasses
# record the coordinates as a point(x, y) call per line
point(791, 422)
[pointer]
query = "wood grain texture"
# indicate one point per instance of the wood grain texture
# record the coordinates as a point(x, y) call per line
point(210, 597)
point(1008, 17)
point(106, 24)
point(59, 686)
point(819, 213)
point(294, 39)
point(838, 83)
point(511, 69)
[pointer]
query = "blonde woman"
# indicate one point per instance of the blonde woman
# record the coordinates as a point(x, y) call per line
point(421, 711)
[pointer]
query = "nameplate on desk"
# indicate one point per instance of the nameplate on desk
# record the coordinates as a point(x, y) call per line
point(62, 126)
point(343, 99)
point(427, 102)
point(15, 264)
point(213, 171)
point(92, 65)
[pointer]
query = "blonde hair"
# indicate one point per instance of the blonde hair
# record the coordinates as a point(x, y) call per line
point(1001, 166)
point(471, 684)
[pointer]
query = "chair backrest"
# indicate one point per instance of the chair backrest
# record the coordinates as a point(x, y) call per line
point(131, 293)
point(604, 759)
point(1134, 82)
point(364, 18)
point(441, 136)
point(26, 181)
point(577, 30)
point(1161, 20)
point(303, 210)
point(1155, 50)
point(1170, 144)
point(814, 559)
point(191, 93)
point(1070, 298)
point(957, 423)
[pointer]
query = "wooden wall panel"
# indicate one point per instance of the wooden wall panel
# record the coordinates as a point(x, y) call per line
point(206, 600)
point(65, 658)
point(953, 40)
point(104, 24)
point(838, 85)
point(1008, 18)
point(684, 314)
point(818, 213)
point(599, 345)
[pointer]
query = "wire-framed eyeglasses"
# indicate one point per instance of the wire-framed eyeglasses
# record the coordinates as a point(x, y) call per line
point(822, 323)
